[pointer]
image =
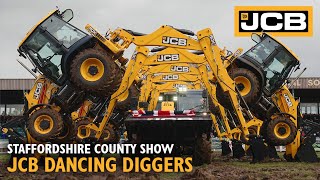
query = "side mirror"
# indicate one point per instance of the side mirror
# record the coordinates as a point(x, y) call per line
point(21, 54)
point(67, 15)
point(255, 37)
point(297, 68)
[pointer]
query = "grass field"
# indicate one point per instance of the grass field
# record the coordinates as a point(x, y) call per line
point(220, 168)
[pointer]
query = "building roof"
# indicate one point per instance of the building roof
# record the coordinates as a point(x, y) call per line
point(306, 83)
point(26, 84)
point(16, 84)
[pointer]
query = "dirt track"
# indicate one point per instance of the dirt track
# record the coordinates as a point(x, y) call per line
point(220, 168)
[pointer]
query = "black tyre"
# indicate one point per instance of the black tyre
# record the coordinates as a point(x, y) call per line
point(224, 99)
point(81, 131)
point(110, 136)
point(68, 132)
point(45, 124)
point(202, 153)
point(117, 81)
point(281, 131)
point(247, 83)
point(94, 70)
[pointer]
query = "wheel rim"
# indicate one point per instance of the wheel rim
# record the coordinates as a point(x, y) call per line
point(92, 69)
point(106, 136)
point(43, 124)
point(282, 130)
point(83, 131)
point(243, 84)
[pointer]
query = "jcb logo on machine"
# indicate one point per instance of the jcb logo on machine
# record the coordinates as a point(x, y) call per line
point(288, 100)
point(93, 32)
point(37, 92)
point(177, 86)
point(168, 57)
point(180, 68)
point(281, 20)
point(236, 54)
point(174, 41)
point(170, 77)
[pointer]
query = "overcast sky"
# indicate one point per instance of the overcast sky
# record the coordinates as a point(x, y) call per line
point(18, 16)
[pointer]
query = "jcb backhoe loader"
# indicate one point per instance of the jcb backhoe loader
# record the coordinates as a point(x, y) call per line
point(75, 62)
point(183, 68)
point(169, 87)
point(42, 120)
point(259, 73)
point(151, 72)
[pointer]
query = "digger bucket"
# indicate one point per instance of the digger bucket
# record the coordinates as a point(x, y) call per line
point(237, 149)
point(226, 150)
point(306, 152)
point(258, 149)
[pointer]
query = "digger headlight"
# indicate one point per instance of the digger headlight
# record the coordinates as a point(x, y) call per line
point(175, 98)
point(183, 89)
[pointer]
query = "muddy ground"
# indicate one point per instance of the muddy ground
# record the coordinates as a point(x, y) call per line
point(220, 168)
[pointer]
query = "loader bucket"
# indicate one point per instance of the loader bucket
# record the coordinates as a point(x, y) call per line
point(306, 152)
point(237, 149)
point(226, 150)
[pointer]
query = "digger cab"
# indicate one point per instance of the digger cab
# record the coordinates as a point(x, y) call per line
point(49, 43)
point(272, 59)
point(183, 100)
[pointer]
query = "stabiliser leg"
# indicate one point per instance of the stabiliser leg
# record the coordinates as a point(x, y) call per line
point(258, 148)
point(237, 149)
point(226, 150)
point(271, 152)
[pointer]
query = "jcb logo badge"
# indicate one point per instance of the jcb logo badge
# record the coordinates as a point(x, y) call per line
point(95, 33)
point(288, 100)
point(179, 86)
point(179, 68)
point(174, 41)
point(37, 92)
point(168, 57)
point(280, 20)
point(170, 77)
